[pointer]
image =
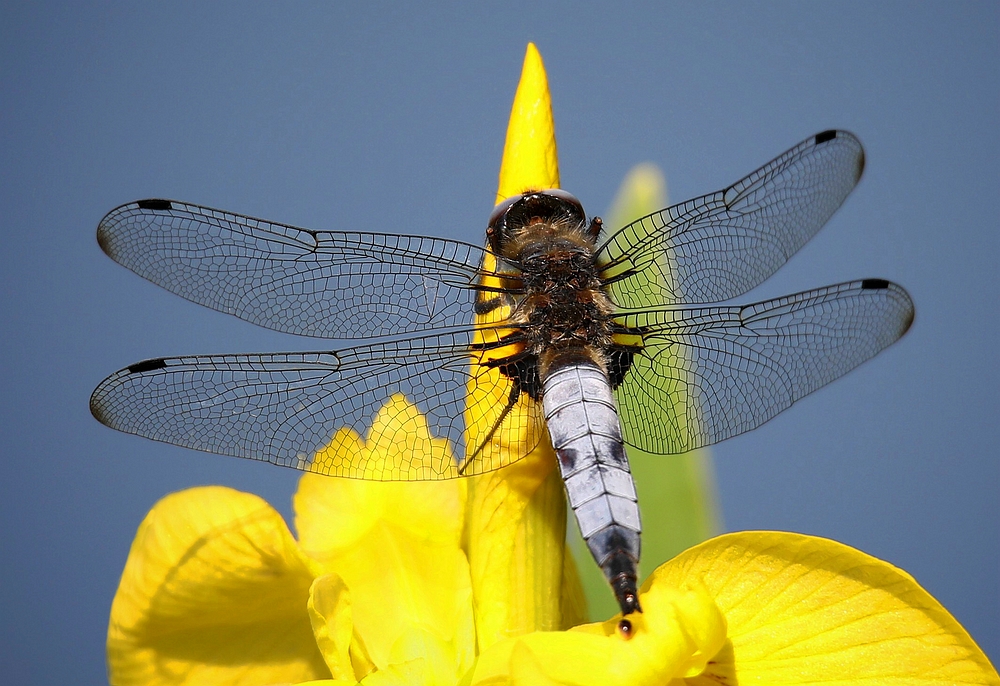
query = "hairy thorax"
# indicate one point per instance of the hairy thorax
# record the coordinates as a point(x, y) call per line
point(564, 313)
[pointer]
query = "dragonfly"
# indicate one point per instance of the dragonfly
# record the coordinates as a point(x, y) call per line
point(558, 329)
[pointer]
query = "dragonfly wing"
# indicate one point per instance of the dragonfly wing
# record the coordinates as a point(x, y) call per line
point(719, 246)
point(329, 284)
point(310, 410)
point(706, 374)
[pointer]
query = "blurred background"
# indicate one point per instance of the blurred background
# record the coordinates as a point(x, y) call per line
point(388, 119)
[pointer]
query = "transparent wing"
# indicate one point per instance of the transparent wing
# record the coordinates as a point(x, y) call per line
point(329, 284)
point(721, 245)
point(290, 408)
point(709, 373)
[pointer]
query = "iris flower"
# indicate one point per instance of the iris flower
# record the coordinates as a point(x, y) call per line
point(468, 581)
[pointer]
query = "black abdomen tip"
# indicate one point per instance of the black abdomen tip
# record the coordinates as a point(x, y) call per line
point(154, 204)
point(626, 593)
point(147, 366)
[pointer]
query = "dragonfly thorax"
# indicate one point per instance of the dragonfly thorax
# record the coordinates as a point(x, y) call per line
point(564, 309)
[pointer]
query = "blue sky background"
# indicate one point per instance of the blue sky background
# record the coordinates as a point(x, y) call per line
point(389, 119)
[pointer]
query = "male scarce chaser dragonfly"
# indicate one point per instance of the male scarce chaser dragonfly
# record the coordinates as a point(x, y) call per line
point(557, 330)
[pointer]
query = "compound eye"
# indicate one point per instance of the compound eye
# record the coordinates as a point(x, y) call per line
point(500, 211)
point(567, 198)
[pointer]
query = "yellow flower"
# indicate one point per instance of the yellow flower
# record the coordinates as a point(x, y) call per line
point(467, 581)
point(379, 590)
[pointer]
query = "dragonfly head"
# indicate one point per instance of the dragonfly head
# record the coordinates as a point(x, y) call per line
point(519, 211)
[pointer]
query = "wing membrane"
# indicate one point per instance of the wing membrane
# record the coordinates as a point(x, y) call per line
point(706, 374)
point(329, 284)
point(286, 408)
point(719, 246)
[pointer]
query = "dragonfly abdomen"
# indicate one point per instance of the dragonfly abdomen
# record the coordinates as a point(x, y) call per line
point(586, 434)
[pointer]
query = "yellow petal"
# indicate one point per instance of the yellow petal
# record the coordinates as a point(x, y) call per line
point(214, 591)
point(530, 158)
point(417, 655)
point(517, 550)
point(399, 448)
point(429, 659)
point(526, 668)
point(333, 626)
point(397, 549)
point(406, 674)
point(676, 635)
point(331, 515)
point(803, 610)
point(573, 604)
